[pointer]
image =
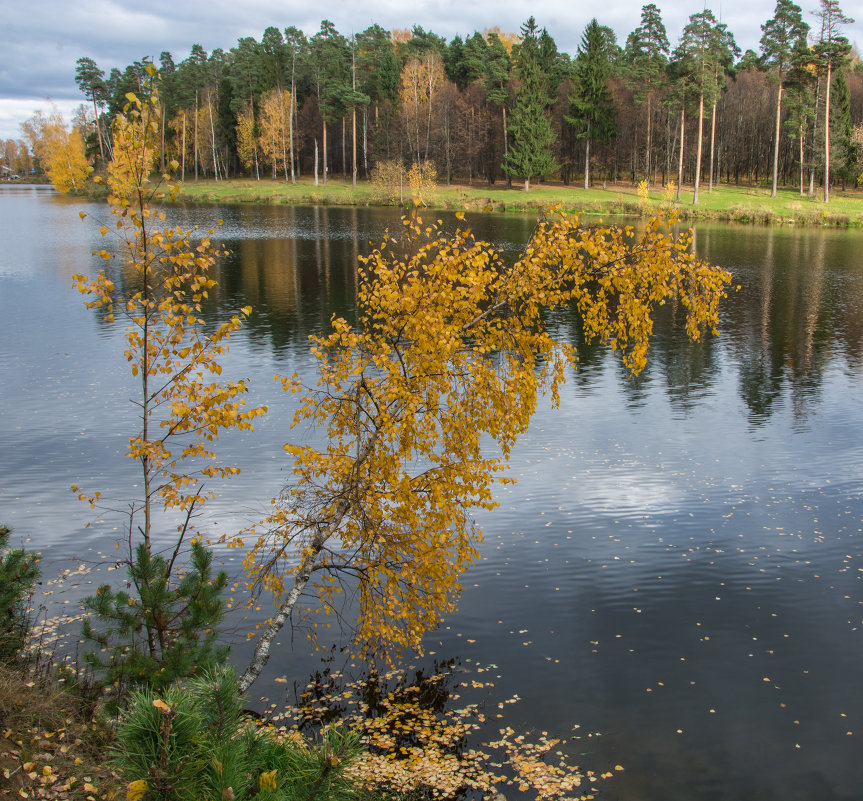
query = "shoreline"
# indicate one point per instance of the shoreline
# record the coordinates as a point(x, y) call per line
point(727, 203)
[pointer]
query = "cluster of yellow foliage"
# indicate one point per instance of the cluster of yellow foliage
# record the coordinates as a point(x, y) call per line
point(388, 181)
point(450, 353)
point(669, 191)
point(417, 742)
point(165, 279)
point(423, 182)
point(274, 126)
point(508, 38)
point(61, 151)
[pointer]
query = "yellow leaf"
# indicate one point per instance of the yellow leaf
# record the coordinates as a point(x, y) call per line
point(267, 780)
point(136, 789)
point(161, 706)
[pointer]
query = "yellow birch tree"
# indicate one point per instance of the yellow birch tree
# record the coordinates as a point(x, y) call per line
point(275, 125)
point(420, 81)
point(450, 354)
point(60, 150)
point(247, 145)
point(168, 628)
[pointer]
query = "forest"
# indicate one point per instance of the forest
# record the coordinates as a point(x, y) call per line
point(497, 106)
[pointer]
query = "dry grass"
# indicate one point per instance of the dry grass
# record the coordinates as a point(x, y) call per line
point(51, 746)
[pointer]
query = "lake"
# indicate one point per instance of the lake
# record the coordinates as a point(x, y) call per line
point(678, 569)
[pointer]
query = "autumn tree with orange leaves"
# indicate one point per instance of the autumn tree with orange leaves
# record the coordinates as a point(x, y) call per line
point(450, 353)
point(60, 150)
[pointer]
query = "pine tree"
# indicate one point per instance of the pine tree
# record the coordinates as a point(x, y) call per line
point(848, 149)
point(532, 135)
point(91, 82)
point(19, 572)
point(496, 72)
point(800, 103)
point(832, 48)
point(591, 107)
point(781, 38)
point(331, 59)
point(647, 56)
point(703, 58)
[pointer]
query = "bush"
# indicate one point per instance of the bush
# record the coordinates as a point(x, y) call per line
point(192, 742)
point(423, 182)
point(164, 631)
point(19, 573)
point(389, 180)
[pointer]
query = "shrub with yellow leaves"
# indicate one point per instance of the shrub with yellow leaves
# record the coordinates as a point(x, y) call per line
point(388, 181)
point(669, 191)
point(423, 182)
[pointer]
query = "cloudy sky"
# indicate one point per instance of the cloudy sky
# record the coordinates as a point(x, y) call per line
point(43, 38)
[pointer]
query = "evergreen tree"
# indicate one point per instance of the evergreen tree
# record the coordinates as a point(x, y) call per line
point(703, 57)
point(465, 61)
point(801, 84)
point(646, 56)
point(168, 94)
point(274, 59)
point(532, 134)
point(591, 107)
point(848, 150)
point(91, 82)
point(246, 89)
point(420, 43)
point(331, 60)
point(19, 572)
point(553, 63)
point(496, 77)
point(782, 37)
point(378, 73)
point(297, 48)
point(164, 629)
point(831, 49)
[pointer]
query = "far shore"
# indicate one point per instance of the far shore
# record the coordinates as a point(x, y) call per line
point(726, 203)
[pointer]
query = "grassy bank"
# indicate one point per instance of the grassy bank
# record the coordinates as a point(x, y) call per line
point(726, 203)
point(52, 748)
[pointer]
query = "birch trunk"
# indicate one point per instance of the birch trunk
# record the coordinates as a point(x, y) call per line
point(776, 140)
point(304, 573)
point(712, 147)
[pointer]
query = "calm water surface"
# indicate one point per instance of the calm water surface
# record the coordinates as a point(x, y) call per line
point(677, 570)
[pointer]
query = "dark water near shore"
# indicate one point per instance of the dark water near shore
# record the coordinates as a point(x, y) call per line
point(677, 569)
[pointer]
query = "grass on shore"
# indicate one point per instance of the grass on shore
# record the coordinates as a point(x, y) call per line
point(726, 203)
point(51, 745)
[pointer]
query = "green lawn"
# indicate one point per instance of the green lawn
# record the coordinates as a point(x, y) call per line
point(726, 202)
